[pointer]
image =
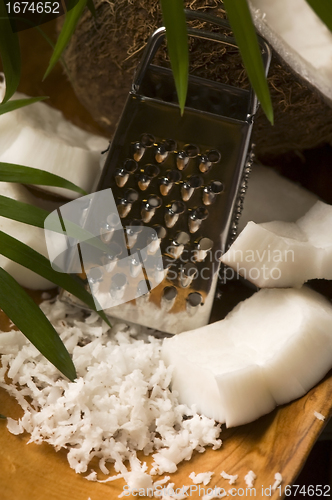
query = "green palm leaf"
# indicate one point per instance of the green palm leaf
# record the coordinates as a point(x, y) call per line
point(27, 316)
point(22, 212)
point(91, 7)
point(72, 17)
point(323, 9)
point(10, 172)
point(245, 35)
point(19, 103)
point(17, 251)
point(177, 45)
point(35, 216)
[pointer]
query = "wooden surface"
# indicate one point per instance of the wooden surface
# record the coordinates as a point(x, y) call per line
point(278, 442)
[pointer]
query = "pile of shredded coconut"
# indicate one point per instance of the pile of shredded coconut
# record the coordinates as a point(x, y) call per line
point(120, 403)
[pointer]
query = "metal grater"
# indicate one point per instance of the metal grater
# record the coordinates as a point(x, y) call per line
point(185, 177)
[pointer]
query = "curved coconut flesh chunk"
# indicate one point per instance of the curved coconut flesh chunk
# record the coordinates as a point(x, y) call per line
point(281, 254)
point(317, 225)
point(39, 136)
point(299, 37)
point(9, 129)
point(271, 349)
point(32, 236)
point(37, 148)
point(273, 197)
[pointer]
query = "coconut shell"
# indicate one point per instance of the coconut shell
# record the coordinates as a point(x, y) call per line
point(104, 52)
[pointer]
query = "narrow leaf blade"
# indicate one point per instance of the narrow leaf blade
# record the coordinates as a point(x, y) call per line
point(35, 216)
point(177, 44)
point(26, 256)
point(72, 17)
point(10, 53)
point(91, 7)
point(323, 9)
point(17, 251)
point(10, 172)
point(22, 212)
point(245, 35)
point(28, 317)
point(19, 103)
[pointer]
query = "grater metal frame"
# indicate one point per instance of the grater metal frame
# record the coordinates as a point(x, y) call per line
point(184, 301)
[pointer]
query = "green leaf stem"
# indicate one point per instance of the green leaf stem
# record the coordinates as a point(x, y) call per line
point(177, 45)
point(245, 35)
point(29, 318)
point(10, 172)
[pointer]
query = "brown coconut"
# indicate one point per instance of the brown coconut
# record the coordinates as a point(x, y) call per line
point(105, 51)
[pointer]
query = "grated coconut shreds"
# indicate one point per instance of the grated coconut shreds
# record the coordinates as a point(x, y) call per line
point(250, 479)
point(231, 478)
point(120, 403)
point(319, 415)
point(202, 477)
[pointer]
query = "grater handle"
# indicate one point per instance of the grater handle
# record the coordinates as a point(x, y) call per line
point(157, 37)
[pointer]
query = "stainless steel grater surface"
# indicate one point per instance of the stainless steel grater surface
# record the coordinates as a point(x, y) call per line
point(185, 177)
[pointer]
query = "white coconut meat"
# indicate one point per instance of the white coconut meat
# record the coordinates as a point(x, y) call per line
point(273, 197)
point(299, 37)
point(39, 136)
point(240, 368)
point(32, 236)
point(120, 403)
point(285, 254)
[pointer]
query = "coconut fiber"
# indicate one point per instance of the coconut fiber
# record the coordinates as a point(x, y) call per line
point(104, 52)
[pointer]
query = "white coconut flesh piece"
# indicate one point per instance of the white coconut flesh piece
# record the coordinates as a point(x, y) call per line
point(299, 37)
point(285, 254)
point(272, 197)
point(271, 349)
point(39, 136)
point(32, 236)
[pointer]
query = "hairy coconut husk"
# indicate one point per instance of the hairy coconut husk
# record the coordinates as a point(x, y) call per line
point(105, 51)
